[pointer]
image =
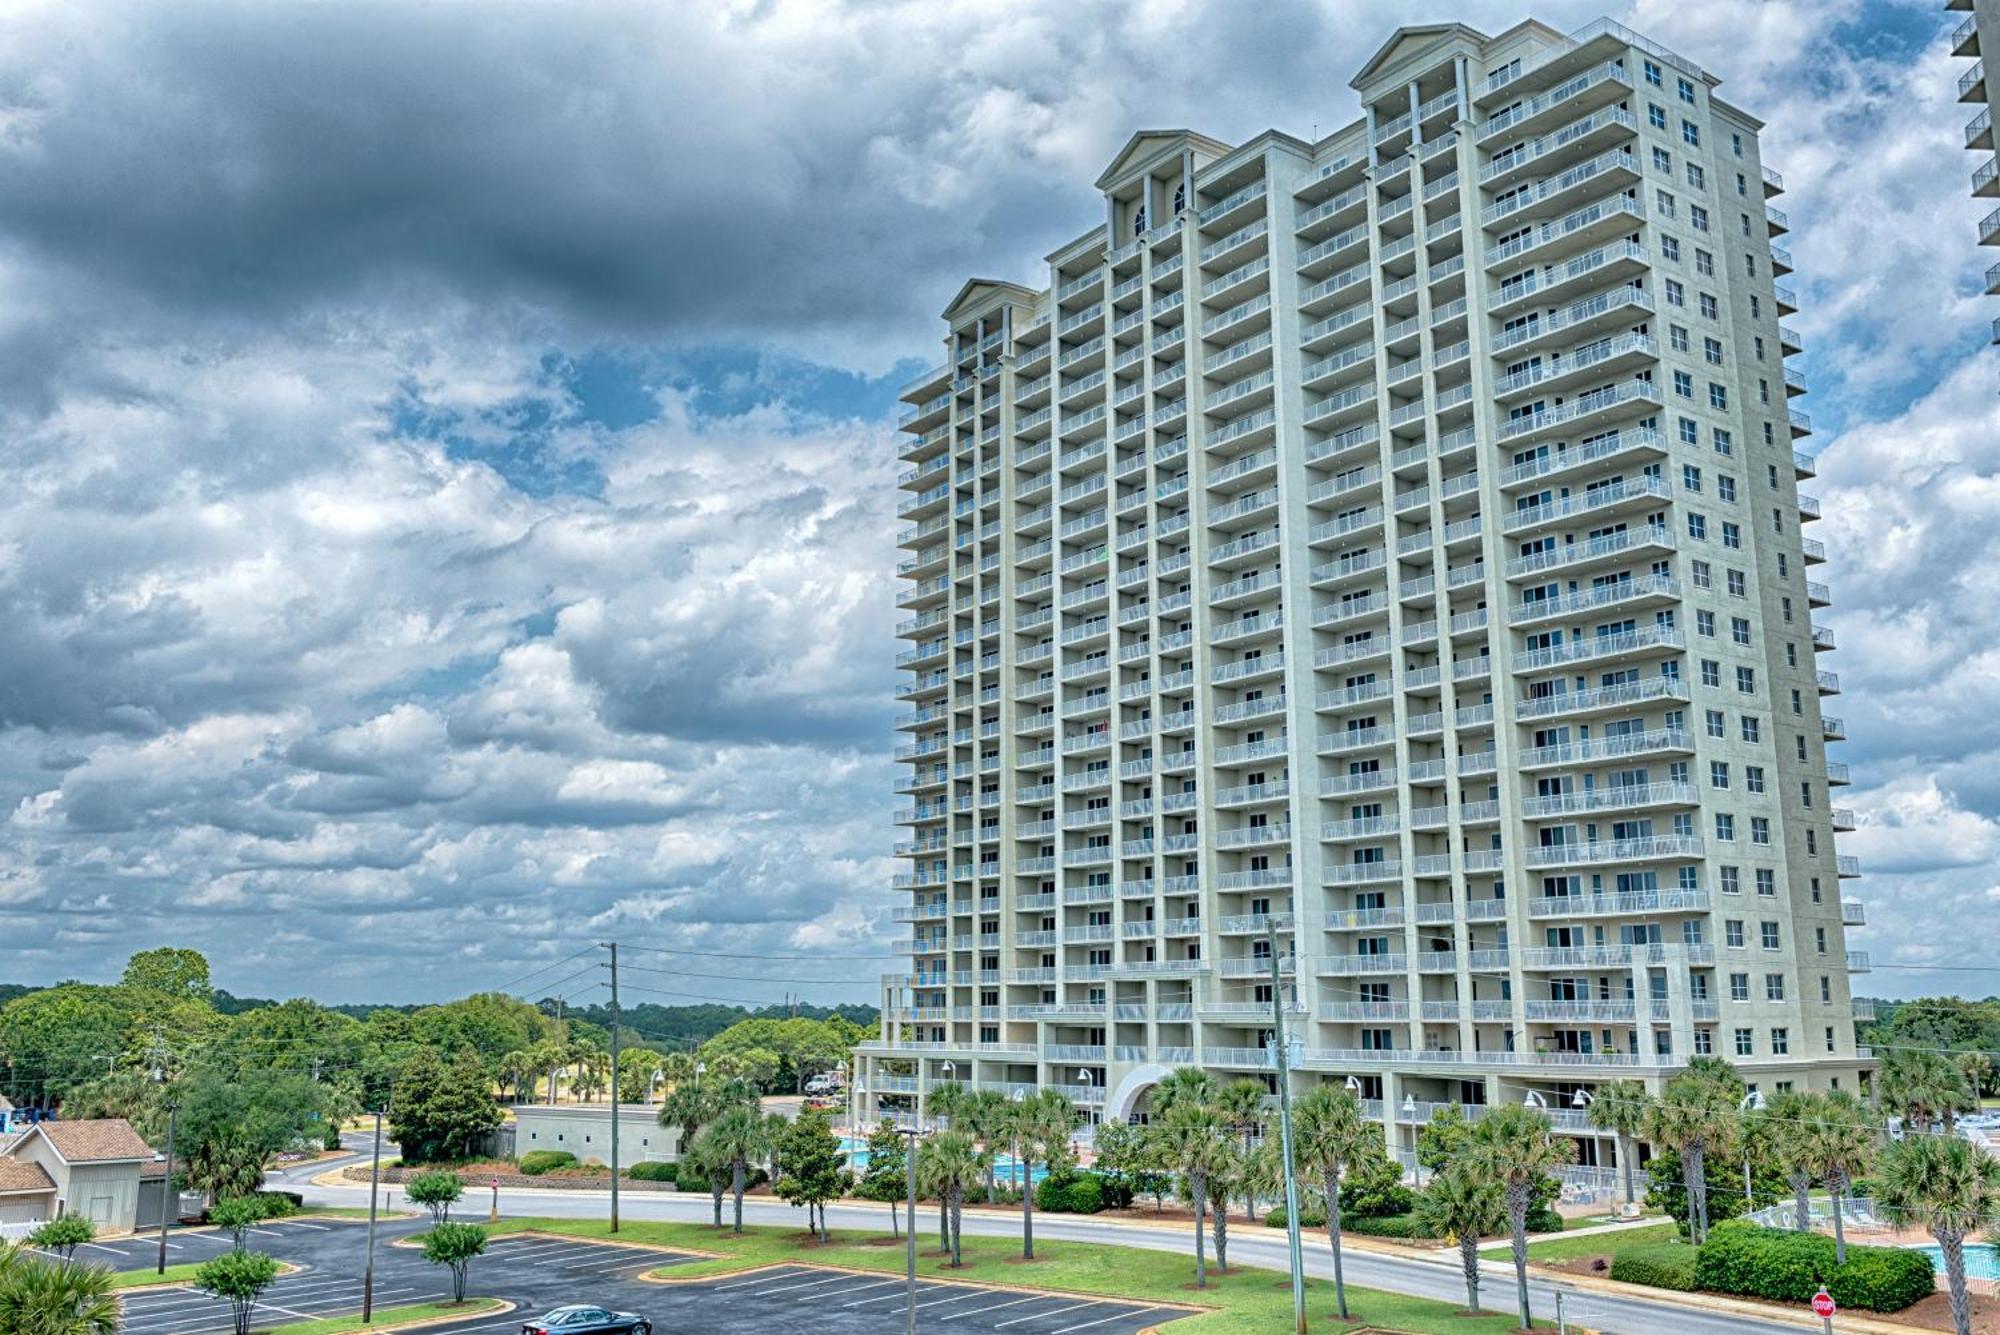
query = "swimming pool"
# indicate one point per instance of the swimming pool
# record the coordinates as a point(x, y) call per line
point(1982, 1261)
point(1006, 1168)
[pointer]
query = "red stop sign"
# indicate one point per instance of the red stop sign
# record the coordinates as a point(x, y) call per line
point(1822, 1304)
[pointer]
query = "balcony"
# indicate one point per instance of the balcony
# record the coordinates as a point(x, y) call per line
point(1853, 913)
point(1617, 797)
point(1618, 905)
point(1592, 648)
point(1972, 84)
point(1979, 130)
point(1652, 849)
point(1965, 38)
point(1989, 229)
point(1857, 962)
point(1986, 180)
point(1581, 411)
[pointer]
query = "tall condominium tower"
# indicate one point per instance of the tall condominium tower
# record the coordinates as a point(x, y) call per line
point(1371, 571)
point(1978, 34)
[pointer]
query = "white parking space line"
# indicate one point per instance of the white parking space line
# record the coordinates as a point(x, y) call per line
point(789, 1272)
point(808, 1283)
point(974, 1311)
point(317, 1228)
point(1102, 1321)
point(115, 1251)
point(265, 1231)
point(897, 1297)
point(1037, 1316)
point(963, 1297)
point(842, 1293)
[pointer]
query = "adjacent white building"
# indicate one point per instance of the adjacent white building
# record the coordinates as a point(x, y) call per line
point(1976, 35)
point(1388, 549)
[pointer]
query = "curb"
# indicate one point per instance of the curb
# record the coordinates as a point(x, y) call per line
point(501, 1309)
point(284, 1268)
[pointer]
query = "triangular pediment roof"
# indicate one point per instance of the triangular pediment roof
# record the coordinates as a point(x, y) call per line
point(978, 289)
point(1147, 144)
point(1412, 38)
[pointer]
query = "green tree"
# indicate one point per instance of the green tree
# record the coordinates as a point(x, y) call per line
point(1950, 1189)
point(1040, 1128)
point(442, 1112)
point(1787, 1119)
point(885, 1180)
point(436, 1192)
point(1125, 1159)
point(63, 1235)
point(1922, 1086)
point(225, 1164)
point(1622, 1107)
point(1513, 1147)
point(813, 1171)
point(952, 1161)
point(240, 1278)
point(1461, 1206)
point(1328, 1134)
point(1193, 1142)
point(739, 1138)
point(41, 1299)
point(237, 1215)
point(1241, 1103)
point(691, 1105)
point(1840, 1137)
point(172, 972)
point(1442, 1139)
point(61, 1037)
point(1183, 1084)
point(454, 1246)
point(1697, 1114)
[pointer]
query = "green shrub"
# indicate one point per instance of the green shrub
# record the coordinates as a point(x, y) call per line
point(1310, 1216)
point(1081, 1193)
point(1544, 1220)
point(1402, 1226)
point(1882, 1279)
point(690, 1176)
point(1663, 1265)
point(536, 1162)
point(278, 1204)
point(653, 1170)
point(1789, 1267)
point(1375, 1189)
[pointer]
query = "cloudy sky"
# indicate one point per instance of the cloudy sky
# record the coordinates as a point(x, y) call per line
point(446, 498)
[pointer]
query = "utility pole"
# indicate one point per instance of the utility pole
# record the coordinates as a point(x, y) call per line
point(910, 1234)
point(368, 1275)
point(613, 947)
point(168, 1197)
point(1284, 1062)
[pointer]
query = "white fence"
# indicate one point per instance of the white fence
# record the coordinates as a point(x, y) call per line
point(18, 1232)
point(1857, 1215)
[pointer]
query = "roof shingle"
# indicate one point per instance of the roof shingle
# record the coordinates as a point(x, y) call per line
point(20, 1175)
point(95, 1140)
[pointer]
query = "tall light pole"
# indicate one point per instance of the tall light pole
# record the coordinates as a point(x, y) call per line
point(613, 947)
point(1752, 1102)
point(1282, 1059)
point(913, 1131)
point(168, 1198)
point(368, 1274)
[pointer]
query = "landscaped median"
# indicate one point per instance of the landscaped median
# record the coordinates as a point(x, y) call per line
point(1248, 1300)
point(1741, 1261)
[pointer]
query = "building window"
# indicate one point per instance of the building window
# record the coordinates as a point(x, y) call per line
point(1743, 1042)
point(1781, 1041)
point(1767, 934)
point(1739, 987)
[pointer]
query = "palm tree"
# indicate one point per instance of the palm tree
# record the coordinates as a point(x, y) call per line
point(1696, 1114)
point(1040, 1128)
point(1462, 1206)
point(1790, 1118)
point(548, 1056)
point(1840, 1136)
point(1513, 1146)
point(738, 1137)
point(1241, 1103)
point(1948, 1187)
point(1193, 1141)
point(1226, 1176)
point(951, 1103)
point(988, 1115)
point(1328, 1134)
point(1977, 1067)
point(517, 1070)
point(951, 1161)
point(1621, 1107)
point(54, 1299)
point(1924, 1086)
point(1183, 1084)
point(676, 1069)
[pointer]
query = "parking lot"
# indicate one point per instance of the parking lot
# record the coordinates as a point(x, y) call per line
point(538, 1273)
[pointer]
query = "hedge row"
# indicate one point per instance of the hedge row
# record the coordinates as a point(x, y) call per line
point(1663, 1265)
point(536, 1162)
point(1789, 1267)
point(654, 1170)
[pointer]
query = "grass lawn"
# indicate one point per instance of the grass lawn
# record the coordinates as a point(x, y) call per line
point(1593, 1244)
point(176, 1274)
point(339, 1325)
point(1248, 1301)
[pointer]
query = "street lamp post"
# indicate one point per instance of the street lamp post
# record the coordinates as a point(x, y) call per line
point(368, 1274)
point(914, 1132)
point(169, 1199)
point(1752, 1102)
point(1282, 1059)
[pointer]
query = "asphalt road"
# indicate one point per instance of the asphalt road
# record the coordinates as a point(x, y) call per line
point(1417, 1276)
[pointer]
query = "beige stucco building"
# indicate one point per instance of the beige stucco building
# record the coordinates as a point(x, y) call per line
point(1976, 35)
point(1388, 549)
point(91, 1168)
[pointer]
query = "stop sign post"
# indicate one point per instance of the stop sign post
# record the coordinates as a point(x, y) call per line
point(1822, 1306)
